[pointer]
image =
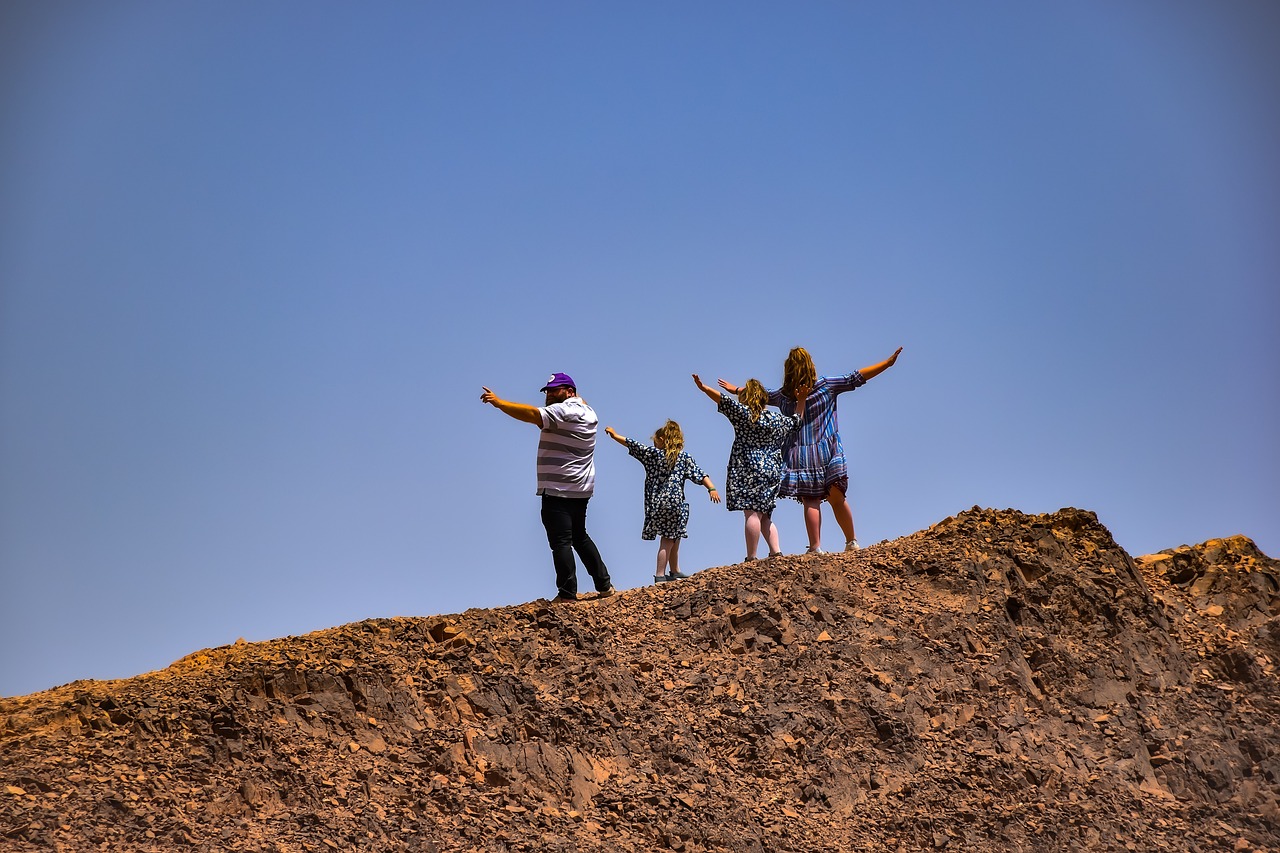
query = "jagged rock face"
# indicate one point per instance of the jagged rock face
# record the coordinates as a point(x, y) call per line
point(1227, 580)
point(999, 681)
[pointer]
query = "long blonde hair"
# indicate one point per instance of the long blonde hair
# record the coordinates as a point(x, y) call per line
point(672, 441)
point(754, 397)
point(798, 372)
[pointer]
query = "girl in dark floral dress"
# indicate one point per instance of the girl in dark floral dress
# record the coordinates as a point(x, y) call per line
point(666, 514)
point(755, 460)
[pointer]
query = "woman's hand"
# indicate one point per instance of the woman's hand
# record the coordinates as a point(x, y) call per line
point(876, 369)
point(802, 395)
point(715, 495)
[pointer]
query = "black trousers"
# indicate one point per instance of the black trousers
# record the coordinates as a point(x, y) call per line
point(566, 522)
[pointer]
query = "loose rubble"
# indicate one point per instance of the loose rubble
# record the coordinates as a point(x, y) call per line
point(998, 681)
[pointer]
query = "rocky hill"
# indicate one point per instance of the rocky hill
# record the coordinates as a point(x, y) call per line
point(998, 681)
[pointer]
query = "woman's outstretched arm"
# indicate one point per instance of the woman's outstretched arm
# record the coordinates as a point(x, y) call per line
point(710, 392)
point(876, 369)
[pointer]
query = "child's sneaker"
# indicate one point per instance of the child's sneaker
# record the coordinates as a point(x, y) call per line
point(851, 545)
point(773, 554)
point(814, 549)
point(660, 578)
point(676, 576)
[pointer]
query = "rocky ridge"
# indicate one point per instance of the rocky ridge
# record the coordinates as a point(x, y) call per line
point(998, 681)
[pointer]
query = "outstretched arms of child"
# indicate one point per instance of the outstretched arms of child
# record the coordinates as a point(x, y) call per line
point(711, 490)
point(613, 433)
point(710, 392)
point(876, 369)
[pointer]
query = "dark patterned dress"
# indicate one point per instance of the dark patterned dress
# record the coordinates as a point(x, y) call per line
point(755, 460)
point(814, 456)
point(666, 513)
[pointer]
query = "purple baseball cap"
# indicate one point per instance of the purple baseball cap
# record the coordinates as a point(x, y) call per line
point(559, 380)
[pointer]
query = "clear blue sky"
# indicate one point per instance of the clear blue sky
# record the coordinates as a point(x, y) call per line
point(257, 261)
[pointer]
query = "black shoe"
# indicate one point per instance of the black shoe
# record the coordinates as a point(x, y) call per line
point(564, 599)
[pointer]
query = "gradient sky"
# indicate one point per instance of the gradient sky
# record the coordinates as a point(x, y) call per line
point(257, 261)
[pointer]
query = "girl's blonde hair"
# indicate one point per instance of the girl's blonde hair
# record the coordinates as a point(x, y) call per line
point(672, 441)
point(754, 397)
point(798, 372)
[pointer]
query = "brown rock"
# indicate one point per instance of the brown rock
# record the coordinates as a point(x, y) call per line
point(999, 681)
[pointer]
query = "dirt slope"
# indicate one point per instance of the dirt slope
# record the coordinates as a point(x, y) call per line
point(998, 681)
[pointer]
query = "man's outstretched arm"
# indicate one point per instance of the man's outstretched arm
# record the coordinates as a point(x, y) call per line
point(519, 411)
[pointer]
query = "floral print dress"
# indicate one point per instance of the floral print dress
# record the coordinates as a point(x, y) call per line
point(666, 513)
point(813, 456)
point(755, 460)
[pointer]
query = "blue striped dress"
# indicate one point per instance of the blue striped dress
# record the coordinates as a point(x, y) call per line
point(814, 457)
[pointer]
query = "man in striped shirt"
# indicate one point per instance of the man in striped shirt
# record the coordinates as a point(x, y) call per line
point(566, 479)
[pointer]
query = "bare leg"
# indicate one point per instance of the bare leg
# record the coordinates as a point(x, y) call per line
point(751, 529)
point(664, 556)
point(673, 554)
point(843, 512)
point(813, 521)
point(770, 532)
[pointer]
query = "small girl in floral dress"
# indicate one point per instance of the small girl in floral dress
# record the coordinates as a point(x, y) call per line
point(755, 460)
point(666, 514)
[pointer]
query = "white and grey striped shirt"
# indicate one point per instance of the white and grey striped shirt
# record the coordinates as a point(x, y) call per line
point(566, 450)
